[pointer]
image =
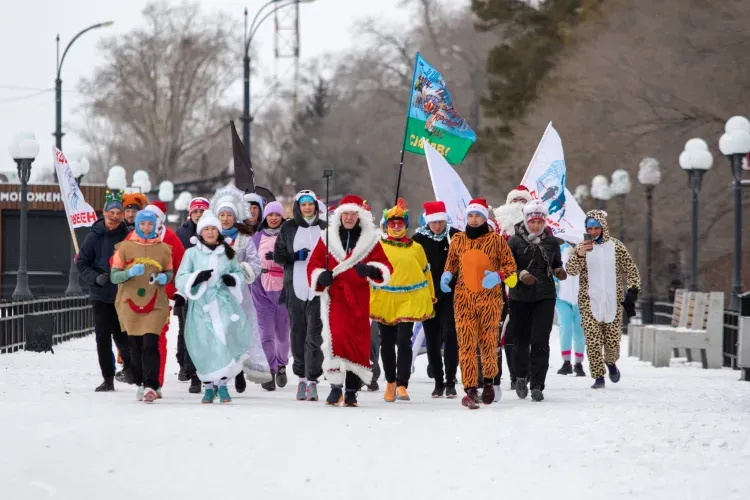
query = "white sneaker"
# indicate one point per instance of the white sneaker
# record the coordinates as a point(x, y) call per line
point(139, 393)
point(498, 393)
point(149, 395)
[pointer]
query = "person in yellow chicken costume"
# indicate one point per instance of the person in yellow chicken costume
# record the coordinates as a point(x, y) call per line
point(481, 260)
point(408, 298)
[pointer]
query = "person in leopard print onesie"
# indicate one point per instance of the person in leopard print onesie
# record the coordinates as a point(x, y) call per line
point(602, 262)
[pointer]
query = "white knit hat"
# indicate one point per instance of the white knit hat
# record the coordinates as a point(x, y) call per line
point(208, 219)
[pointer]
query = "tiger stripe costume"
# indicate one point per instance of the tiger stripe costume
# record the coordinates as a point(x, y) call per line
point(477, 314)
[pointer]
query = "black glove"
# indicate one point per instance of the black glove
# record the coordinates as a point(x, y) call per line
point(102, 279)
point(269, 255)
point(365, 271)
point(300, 255)
point(179, 301)
point(203, 276)
point(325, 278)
point(228, 280)
point(629, 303)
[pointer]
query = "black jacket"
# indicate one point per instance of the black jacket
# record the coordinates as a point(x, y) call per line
point(283, 250)
point(437, 255)
point(187, 230)
point(531, 258)
point(93, 259)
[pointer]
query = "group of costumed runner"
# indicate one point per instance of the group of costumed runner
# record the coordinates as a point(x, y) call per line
point(248, 286)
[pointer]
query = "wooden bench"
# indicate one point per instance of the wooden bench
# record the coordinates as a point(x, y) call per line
point(641, 347)
point(704, 333)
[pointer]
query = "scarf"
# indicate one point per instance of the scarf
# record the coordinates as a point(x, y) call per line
point(309, 220)
point(475, 232)
point(230, 233)
point(534, 244)
point(425, 231)
point(271, 232)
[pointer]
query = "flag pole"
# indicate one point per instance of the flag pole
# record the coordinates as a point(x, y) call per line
point(327, 174)
point(406, 129)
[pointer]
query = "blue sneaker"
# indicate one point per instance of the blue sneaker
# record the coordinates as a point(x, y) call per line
point(311, 392)
point(224, 396)
point(598, 384)
point(301, 388)
point(614, 373)
point(208, 396)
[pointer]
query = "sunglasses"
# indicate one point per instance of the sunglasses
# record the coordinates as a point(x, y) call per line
point(395, 224)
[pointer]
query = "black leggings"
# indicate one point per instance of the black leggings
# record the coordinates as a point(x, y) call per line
point(107, 328)
point(144, 357)
point(395, 370)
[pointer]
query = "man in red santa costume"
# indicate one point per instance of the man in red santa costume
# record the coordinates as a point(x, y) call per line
point(341, 273)
point(178, 250)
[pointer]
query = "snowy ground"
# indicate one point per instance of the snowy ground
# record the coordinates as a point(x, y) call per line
point(670, 433)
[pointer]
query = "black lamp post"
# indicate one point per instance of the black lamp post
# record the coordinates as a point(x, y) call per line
point(249, 34)
point(735, 144)
point(79, 168)
point(23, 150)
point(696, 159)
point(58, 81)
point(649, 175)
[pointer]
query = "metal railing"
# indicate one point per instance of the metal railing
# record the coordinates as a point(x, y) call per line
point(56, 319)
point(663, 312)
point(731, 336)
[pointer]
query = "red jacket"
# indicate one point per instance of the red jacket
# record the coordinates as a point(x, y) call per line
point(171, 239)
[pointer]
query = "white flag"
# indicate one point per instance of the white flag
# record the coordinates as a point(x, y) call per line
point(448, 187)
point(80, 213)
point(545, 179)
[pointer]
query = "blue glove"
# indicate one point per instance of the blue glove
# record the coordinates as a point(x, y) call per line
point(301, 255)
point(491, 279)
point(136, 270)
point(445, 280)
point(161, 278)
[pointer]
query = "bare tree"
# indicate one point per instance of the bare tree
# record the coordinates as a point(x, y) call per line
point(158, 100)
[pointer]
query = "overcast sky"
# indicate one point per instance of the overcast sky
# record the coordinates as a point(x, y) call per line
point(27, 53)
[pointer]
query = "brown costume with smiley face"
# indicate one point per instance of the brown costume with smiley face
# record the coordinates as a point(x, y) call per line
point(142, 303)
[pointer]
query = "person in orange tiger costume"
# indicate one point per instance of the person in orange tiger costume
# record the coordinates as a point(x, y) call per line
point(481, 260)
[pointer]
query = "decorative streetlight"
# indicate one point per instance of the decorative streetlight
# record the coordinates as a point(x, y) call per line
point(581, 193)
point(58, 81)
point(141, 181)
point(182, 202)
point(735, 145)
point(619, 188)
point(23, 150)
point(600, 191)
point(649, 175)
point(79, 168)
point(249, 34)
point(117, 179)
point(696, 160)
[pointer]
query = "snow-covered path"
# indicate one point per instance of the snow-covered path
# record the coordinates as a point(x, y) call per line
point(671, 433)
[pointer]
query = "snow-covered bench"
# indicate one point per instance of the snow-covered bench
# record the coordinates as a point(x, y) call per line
point(642, 347)
point(705, 333)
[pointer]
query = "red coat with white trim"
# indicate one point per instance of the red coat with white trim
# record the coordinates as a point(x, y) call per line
point(345, 304)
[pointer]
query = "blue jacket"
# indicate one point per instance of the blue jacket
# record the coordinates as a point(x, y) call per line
point(186, 231)
point(93, 259)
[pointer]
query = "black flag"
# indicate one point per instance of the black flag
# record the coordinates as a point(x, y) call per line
point(244, 177)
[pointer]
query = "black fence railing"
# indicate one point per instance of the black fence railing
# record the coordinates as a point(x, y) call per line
point(731, 336)
point(44, 322)
point(663, 312)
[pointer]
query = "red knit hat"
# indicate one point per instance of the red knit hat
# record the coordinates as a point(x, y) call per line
point(198, 204)
point(519, 191)
point(478, 205)
point(434, 211)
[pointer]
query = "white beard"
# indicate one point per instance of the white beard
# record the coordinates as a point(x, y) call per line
point(508, 216)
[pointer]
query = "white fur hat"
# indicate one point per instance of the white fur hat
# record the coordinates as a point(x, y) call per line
point(208, 219)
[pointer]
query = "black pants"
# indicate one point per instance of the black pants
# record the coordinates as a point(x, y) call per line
point(144, 356)
point(351, 384)
point(438, 330)
point(306, 336)
point(395, 370)
point(532, 324)
point(183, 356)
point(106, 328)
point(374, 352)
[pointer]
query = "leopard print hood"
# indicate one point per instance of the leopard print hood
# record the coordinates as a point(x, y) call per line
point(601, 217)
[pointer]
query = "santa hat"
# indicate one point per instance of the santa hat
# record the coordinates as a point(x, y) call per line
point(197, 204)
point(353, 203)
point(519, 191)
point(434, 211)
point(159, 208)
point(535, 211)
point(478, 206)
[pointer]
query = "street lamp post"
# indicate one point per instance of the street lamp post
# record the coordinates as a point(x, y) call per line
point(735, 144)
point(23, 150)
point(696, 160)
point(581, 193)
point(600, 191)
point(249, 34)
point(80, 169)
point(619, 188)
point(649, 175)
point(58, 81)
point(181, 204)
